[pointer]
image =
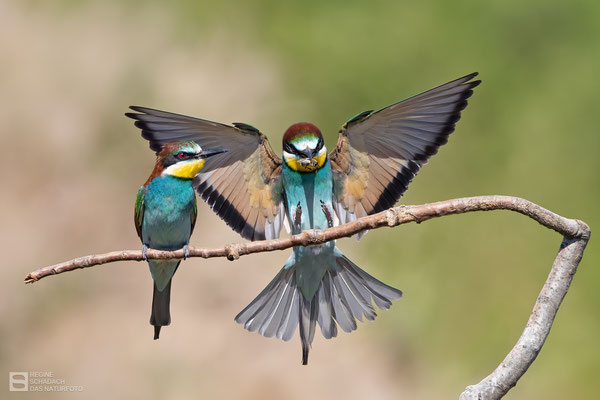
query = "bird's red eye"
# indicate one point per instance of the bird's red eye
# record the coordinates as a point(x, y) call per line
point(181, 155)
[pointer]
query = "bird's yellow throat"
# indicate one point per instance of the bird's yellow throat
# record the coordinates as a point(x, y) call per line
point(185, 170)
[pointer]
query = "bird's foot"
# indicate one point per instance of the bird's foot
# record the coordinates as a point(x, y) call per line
point(298, 217)
point(327, 214)
point(144, 252)
point(186, 251)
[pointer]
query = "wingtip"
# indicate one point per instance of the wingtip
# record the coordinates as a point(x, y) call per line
point(466, 80)
point(137, 108)
point(147, 110)
point(472, 84)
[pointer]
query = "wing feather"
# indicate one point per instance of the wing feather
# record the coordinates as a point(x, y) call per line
point(139, 210)
point(379, 153)
point(243, 185)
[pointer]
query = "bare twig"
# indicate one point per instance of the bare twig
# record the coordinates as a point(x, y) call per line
point(498, 383)
point(524, 352)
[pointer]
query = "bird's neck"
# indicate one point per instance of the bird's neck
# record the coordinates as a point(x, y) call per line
point(168, 181)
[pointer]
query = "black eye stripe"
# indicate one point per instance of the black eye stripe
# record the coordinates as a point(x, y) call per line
point(290, 148)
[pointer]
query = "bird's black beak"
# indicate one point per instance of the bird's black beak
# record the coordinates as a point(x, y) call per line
point(308, 161)
point(211, 152)
point(308, 153)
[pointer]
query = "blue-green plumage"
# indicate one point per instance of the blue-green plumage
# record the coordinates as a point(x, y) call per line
point(165, 215)
point(317, 284)
point(169, 204)
point(167, 218)
point(170, 208)
point(311, 192)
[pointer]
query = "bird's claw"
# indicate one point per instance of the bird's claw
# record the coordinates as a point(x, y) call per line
point(298, 217)
point(144, 252)
point(327, 214)
point(186, 251)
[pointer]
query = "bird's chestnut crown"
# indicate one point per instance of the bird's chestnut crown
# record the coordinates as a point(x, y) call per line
point(303, 147)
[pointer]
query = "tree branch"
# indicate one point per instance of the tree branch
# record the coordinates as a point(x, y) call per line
point(505, 376)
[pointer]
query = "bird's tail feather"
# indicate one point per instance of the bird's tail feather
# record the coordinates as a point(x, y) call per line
point(344, 295)
point(161, 315)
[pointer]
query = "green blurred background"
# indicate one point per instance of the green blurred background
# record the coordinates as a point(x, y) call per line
point(72, 164)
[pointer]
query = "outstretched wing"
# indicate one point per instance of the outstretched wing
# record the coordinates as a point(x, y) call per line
point(243, 185)
point(378, 153)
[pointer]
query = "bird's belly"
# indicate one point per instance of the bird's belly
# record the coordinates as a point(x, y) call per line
point(167, 229)
point(324, 251)
point(311, 264)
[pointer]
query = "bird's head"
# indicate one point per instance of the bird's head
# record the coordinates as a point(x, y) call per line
point(183, 159)
point(303, 147)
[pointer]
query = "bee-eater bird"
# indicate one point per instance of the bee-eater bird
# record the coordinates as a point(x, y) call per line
point(255, 192)
point(165, 214)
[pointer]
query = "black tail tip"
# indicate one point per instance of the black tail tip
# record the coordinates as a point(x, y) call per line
point(156, 331)
point(304, 355)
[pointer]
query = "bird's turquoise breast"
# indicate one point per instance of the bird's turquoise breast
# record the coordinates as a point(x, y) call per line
point(168, 206)
point(313, 191)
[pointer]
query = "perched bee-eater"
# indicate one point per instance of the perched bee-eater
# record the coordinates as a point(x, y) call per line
point(255, 192)
point(165, 214)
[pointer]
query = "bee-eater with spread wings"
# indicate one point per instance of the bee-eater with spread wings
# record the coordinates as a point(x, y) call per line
point(255, 192)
